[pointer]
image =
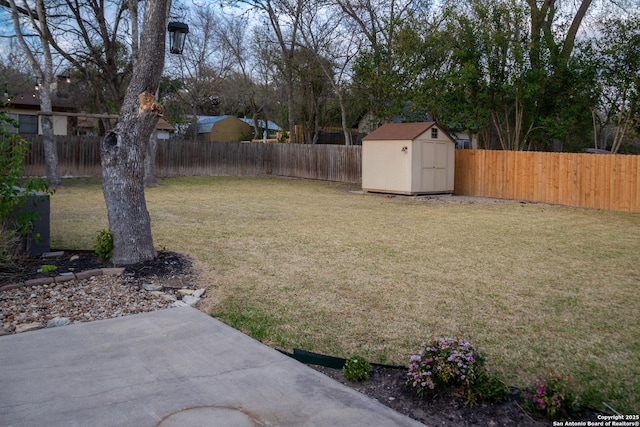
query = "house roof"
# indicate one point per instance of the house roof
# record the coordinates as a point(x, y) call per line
point(261, 124)
point(90, 120)
point(206, 123)
point(31, 101)
point(164, 125)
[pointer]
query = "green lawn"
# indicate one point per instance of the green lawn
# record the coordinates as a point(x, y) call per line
point(311, 265)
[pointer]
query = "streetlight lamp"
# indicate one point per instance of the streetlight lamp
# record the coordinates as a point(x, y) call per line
point(177, 36)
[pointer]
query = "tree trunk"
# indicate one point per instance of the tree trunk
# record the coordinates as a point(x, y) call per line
point(343, 120)
point(50, 150)
point(150, 161)
point(291, 105)
point(45, 73)
point(124, 148)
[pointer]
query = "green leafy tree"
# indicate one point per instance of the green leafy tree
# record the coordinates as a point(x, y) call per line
point(619, 61)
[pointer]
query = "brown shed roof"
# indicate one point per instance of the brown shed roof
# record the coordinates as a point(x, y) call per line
point(403, 131)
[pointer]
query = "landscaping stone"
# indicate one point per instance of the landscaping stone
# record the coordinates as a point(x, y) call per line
point(151, 287)
point(52, 254)
point(179, 304)
point(168, 297)
point(62, 279)
point(190, 300)
point(39, 282)
point(89, 273)
point(25, 327)
point(58, 321)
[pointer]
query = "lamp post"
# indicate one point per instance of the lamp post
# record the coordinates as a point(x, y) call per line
point(177, 36)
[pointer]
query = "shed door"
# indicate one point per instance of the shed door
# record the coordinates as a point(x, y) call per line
point(434, 166)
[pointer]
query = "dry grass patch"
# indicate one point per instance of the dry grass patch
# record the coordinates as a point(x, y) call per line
point(312, 265)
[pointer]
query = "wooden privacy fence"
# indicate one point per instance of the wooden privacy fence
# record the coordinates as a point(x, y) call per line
point(599, 181)
point(80, 156)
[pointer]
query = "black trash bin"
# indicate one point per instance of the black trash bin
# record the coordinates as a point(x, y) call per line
point(39, 239)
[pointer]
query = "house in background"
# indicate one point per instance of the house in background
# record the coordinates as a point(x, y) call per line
point(87, 125)
point(24, 108)
point(223, 129)
point(164, 129)
point(271, 128)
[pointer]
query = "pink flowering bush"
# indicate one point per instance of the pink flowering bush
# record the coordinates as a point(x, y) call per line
point(551, 398)
point(453, 365)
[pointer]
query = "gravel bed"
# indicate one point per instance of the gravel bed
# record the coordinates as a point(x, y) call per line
point(99, 297)
point(155, 285)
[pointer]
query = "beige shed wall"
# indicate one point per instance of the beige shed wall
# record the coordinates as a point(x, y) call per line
point(386, 167)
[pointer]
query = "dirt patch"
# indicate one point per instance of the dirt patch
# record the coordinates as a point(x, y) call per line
point(387, 385)
point(465, 200)
point(167, 265)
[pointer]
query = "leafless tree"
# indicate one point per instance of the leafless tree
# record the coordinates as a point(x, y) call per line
point(334, 48)
point(284, 18)
point(43, 68)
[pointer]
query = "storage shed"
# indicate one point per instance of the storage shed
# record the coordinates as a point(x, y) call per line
point(223, 128)
point(408, 158)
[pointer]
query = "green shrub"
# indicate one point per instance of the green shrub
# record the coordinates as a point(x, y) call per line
point(488, 388)
point(453, 365)
point(48, 268)
point(9, 243)
point(14, 189)
point(356, 369)
point(103, 245)
point(552, 398)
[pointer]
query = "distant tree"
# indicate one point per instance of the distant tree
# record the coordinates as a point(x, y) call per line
point(203, 65)
point(284, 19)
point(379, 73)
point(334, 47)
point(92, 37)
point(43, 69)
point(247, 90)
point(554, 27)
point(618, 52)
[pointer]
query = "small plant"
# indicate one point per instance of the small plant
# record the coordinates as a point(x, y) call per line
point(454, 365)
point(15, 190)
point(356, 369)
point(552, 398)
point(489, 388)
point(103, 245)
point(48, 268)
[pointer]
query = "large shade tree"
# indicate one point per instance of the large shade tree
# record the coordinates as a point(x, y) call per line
point(123, 148)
